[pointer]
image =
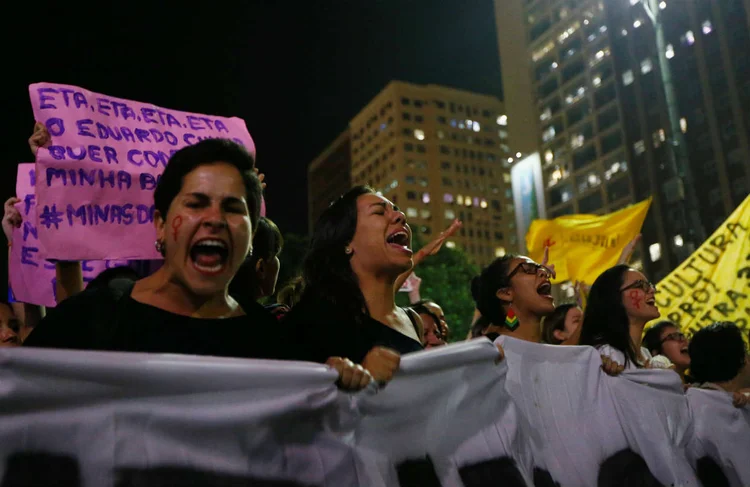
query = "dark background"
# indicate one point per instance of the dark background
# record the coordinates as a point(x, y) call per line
point(296, 72)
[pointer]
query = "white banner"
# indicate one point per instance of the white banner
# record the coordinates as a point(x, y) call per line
point(451, 417)
point(722, 434)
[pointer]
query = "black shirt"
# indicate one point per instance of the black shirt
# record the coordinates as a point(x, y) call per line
point(110, 319)
point(320, 330)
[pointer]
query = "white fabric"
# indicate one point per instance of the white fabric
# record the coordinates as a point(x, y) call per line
point(619, 357)
point(454, 409)
point(721, 432)
point(448, 403)
point(581, 417)
point(116, 411)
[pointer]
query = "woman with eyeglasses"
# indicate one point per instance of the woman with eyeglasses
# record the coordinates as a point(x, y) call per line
point(665, 339)
point(620, 303)
point(513, 294)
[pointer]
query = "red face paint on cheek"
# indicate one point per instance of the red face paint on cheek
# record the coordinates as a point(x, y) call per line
point(176, 224)
point(635, 299)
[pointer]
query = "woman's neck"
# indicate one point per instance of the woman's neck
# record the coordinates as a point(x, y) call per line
point(636, 335)
point(379, 295)
point(529, 327)
point(163, 291)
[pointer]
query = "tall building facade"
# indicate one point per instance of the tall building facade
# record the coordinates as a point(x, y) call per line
point(439, 154)
point(328, 177)
point(588, 74)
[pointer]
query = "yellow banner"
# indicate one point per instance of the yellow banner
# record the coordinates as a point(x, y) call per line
point(713, 284)
point(584, 246)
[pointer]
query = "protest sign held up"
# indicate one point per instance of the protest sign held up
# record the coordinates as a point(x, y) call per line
point(713, 284)
point(32, 278)
point(96, 178)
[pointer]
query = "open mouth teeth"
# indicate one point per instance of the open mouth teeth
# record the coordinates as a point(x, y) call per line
point(399, 238)
point(544, 289)
point(209, 255)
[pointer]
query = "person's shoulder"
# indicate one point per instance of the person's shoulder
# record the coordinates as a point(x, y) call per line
point(72, 322)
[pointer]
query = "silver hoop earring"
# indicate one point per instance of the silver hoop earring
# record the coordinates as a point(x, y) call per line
point(159, 246)
point(348, 250)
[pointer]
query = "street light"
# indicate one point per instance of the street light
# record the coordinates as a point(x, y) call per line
point(682, 183)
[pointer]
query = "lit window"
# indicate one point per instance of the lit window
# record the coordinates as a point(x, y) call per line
point(577, 141)
point(670, 51)
point(425, 198)
point(447, 198)
point(460, 199)
point(440, 134)
point(654, 251)
point(688, 38)
point(597, 81)
point(476, 201)
point(646, 66)
point(411, 212)
point(450, 214)
point(624, 32)
point(547, 135)
point(477, 127)
point(678, 241)
point(419, 134)
point(639, 147)
point(540, 53)
point(502, 120)
point(467, 201)
point(499, 251)
point(628, 77)
point(483, 203)
point(707, 27)
point(502, 134)
point(637, 23)
point(549, 156)
point(425, 214)
point(683, 125)
point(450, 244)
point(506, 177)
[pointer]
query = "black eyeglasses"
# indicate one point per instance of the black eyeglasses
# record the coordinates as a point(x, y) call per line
point(641, 284)
point(677, 336)
point(531, 268)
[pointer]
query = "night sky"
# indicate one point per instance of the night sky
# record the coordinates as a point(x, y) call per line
point(295, 71)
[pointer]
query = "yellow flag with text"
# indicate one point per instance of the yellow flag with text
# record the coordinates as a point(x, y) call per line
point(713, 284)
point(584, 246)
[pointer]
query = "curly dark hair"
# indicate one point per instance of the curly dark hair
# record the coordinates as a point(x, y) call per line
point(717, 352)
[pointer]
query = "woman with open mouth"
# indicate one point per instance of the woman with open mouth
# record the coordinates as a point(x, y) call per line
point(513, 294)
point(360, 246)
point(620, 303)
point(207, 206)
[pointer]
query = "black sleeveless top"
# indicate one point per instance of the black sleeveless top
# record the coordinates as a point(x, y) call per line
point(319, 330)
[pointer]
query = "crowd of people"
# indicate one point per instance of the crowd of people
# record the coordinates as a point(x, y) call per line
point(222, 259)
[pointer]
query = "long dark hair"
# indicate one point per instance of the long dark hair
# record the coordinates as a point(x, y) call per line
point(327, 272)
point(267, 244)
point(605, 321)
point(484, 289)
point(554, 322)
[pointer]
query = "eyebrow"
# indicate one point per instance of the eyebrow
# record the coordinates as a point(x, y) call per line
point(203, 197)
point(381, 203)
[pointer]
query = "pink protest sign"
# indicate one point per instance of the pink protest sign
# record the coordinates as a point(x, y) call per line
point(32, 279)
point(97, 178)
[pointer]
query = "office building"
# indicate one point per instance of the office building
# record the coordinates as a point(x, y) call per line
point(585, 76)
point(439, 154)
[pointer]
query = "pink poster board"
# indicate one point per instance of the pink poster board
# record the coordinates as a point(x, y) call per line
point(97, 178)
point(32, 278)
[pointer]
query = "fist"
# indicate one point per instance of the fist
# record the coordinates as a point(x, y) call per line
point(382, 363)
point(352, 377)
